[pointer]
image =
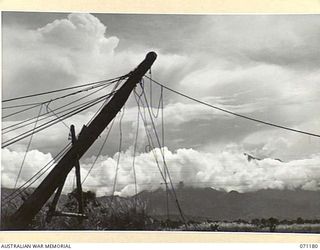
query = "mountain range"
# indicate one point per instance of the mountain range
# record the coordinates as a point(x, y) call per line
point(221, 205)
point(208, 203)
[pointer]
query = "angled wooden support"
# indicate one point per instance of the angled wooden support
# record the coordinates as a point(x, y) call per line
point(53, 205)
point(78, 176)
point(24, 215)
point(52, 209)
point(67, 214)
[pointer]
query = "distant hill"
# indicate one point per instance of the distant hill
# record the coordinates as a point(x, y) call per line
point(208, 203)
point(221, 205)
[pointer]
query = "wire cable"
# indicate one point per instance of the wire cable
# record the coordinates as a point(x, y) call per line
point(148, 134)
point(119, 154)
point(63, 89)
point(30, 120)
point(235, 114)
point(44, 169)
point(100, 150)
point(49, 109)
point(61, 97)
point(27, 150)
point(164, 162)
point(134, 158)
point(155, 115)
point(52, 122)
point(114, 89)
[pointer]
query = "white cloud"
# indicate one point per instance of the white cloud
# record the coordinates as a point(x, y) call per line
point(228, 170)
point(61, 53)
point(262, 66)
point(282, 144)
point(79, 32)
point(11, 162)
point(65, 52)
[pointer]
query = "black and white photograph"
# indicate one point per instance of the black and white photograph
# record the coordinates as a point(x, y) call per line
point(160, 122)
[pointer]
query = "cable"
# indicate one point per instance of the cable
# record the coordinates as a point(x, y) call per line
point(63, 106)
point(118, 160)
point(61, 97)
point(100, 150)
point(20, 111)
point(25, 155)
point(134, 158)
point(151, 143)
point(160, 105)
point(47, 124)
point(58, 98)
point(174, 196)
point(235, 114)
point(160, 98)
point(148, 134)
point(22, 105)
point(164, 162)
point(52, 122)
point(45, 168)
point(49, 109)
point(162, 148)
point(64, 89)
point(114, 89)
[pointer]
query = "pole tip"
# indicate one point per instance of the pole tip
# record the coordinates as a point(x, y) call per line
point(151, 55)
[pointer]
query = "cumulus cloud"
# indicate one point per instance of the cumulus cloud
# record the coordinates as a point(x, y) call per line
point(67, 51)
point(261, 66)
point(79, 32)
point(63, 52)
point(283, 144)
point(227, 170)
point(11, 162)
point(224, 170)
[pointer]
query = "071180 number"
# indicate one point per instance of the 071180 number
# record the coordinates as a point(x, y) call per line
point(313, 246)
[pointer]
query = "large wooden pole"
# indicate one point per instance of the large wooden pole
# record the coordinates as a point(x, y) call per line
point(24, 215)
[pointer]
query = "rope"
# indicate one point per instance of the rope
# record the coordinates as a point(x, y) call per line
point(155, 115)
point(134, 158)
point(118, 160)
point(63, 89)
point(150, 141)
point(29, 121)
point(100, 150)
point(45, 125)
point(49, 109)
point(22, 105)
point(104, 85)
point(103, 104)
point(235, 114)
point(162, 148)
point(27, 150)
point(52, 122)
point(162, 175)
point(149, 137)
point(20, 111)
point(45, 168)
point(164, 162)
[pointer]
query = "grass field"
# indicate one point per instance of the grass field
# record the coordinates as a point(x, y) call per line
point(249, 227)
point(131, 214)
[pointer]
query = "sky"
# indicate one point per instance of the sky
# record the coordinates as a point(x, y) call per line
point(262, 66)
